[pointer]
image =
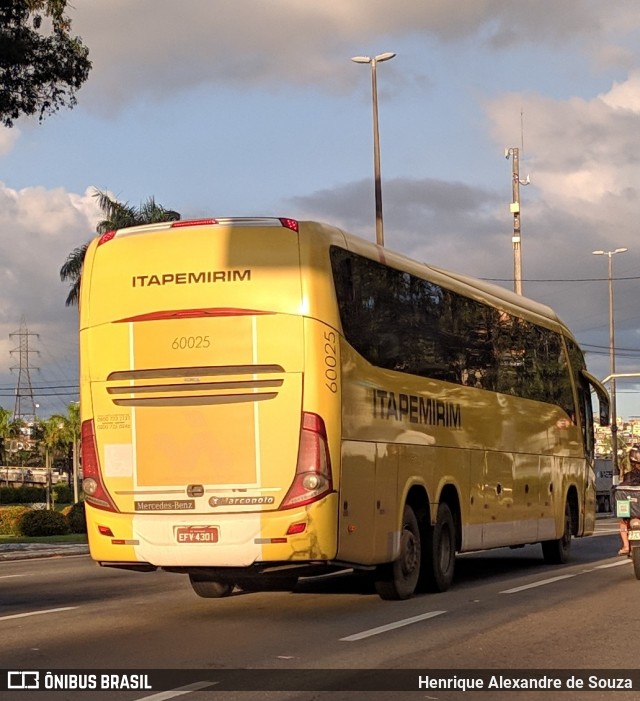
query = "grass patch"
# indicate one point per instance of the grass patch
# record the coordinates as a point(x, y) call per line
point(69, 538)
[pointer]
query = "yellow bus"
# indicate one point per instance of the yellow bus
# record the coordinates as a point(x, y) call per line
point(265, 399)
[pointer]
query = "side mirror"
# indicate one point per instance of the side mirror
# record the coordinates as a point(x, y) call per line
point(604, 401)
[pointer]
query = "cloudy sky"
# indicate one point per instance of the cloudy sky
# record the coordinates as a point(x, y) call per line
point(247, 107)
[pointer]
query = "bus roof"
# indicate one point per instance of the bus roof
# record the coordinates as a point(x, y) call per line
point(483, 291)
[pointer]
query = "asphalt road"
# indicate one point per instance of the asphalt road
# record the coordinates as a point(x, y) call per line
point(507, 610)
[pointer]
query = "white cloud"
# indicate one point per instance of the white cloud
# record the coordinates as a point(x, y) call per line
point(157, 48)
point(8, 138)
point(625, 95)
point(38, 229)
point(582, 154)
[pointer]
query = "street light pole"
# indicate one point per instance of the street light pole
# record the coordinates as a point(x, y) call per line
point(376, 138)
point(612, 361)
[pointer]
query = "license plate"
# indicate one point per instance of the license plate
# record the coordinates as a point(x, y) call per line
point(634, 535)
point(623, 508)
point(197, 534)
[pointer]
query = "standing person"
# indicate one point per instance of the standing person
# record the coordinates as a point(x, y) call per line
point(631, 478)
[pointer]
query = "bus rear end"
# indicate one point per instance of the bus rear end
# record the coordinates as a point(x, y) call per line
point(203, 449)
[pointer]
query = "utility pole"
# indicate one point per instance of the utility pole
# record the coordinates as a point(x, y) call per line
point(25, 406)
point(514, 154)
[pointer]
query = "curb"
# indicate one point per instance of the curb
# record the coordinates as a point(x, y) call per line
point(30, 551)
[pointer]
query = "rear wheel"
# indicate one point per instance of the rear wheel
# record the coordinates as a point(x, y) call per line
point(556, 552)
point(210, 588)
point(398, 580)
point(440, 552)
point(635, 558)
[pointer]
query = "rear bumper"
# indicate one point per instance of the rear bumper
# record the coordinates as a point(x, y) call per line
point(242, 539)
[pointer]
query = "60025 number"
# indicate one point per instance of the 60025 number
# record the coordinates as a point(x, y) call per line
point(190, 342)
point(331, 361)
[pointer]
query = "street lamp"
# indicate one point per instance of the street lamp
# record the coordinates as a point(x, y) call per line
point(612, 361)
point(376, 138)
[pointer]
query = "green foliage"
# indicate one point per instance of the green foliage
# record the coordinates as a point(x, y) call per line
point(10, 517)
point(76, 518)
point(41, 64)
point(63, 494)
point(22, 495)
point(41, 523)
point(9, 428)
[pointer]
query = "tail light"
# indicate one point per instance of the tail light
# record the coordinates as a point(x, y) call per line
point(192, 222)
point(95, 493)
point(313, 479)
point(290, 224)
point(106, 237)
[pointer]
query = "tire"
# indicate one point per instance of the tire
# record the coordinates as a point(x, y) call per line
point(210, 588)
point(635, 558)
point(398, 580)
point(440, 552)
point(557, 552)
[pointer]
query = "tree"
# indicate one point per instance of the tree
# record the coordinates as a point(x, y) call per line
point(73, 436)
point(9, 428)
point(73, 420)
point(118, 215)
point(41, 65)
point(55, 436)
point(5, 432)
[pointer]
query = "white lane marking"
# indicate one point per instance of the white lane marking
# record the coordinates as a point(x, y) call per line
point(432, 614)
point(37, 613)
point(8, 576)
point(626, 561)
point(541, 583)
point(178, 691)
point(391, 626)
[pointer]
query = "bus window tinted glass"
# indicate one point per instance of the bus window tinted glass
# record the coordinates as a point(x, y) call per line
point(405, 323)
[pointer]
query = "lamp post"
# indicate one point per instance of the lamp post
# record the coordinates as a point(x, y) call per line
point(376, 138)
point(612, 362)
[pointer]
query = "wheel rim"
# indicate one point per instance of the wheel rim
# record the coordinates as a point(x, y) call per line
point(410, 553)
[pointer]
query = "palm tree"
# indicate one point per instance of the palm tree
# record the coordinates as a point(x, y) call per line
point(5, 432)
point(118, 215)
point(9, 428)
point(72, 421)
point(54, 438)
